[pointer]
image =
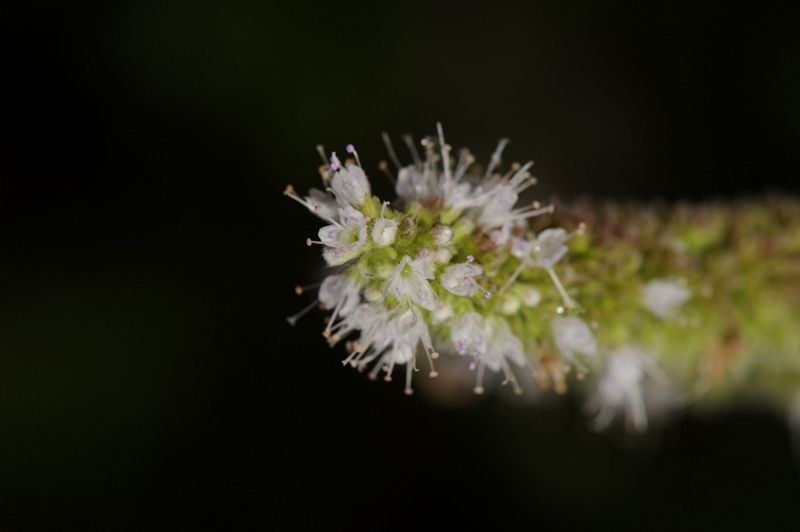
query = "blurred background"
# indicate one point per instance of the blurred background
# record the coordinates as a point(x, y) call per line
point(148, 378)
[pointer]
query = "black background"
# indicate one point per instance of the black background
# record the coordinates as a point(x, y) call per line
point(147, 375)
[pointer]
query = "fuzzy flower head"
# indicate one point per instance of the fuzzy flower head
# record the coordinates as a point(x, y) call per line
point(436, 270)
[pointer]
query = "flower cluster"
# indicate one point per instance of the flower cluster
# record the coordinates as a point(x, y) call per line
point(452, 266)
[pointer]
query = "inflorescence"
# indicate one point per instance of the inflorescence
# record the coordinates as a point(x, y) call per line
point(454, 266)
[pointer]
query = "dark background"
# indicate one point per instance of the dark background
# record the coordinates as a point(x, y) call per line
point(147, 375)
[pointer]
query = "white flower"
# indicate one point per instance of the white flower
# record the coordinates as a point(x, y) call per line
point(321, 204)
point(531, 297)
point(572, 336)
point(384, 230)
point(409, 278)
point(468, 334)
point(548, 248)
point(621, 389)
point(662, 297)
point(340, 292)
point(344, 237)
point(350, 185)
point(397, 342)
point(459, 279)
point(503, 345)
point(414, 185)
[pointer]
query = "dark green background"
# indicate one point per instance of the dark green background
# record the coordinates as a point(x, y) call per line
point(147, 375)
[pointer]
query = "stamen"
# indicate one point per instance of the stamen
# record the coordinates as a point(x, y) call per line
point(383, 167)
point(351, 149)
point(321, 151)
point(388, 377)
point(521, 174)
point(530, 214)
point(300, 289)
point(336, 164)
point(568, 302)
point(464, 161)
point(293, 319)
point(413, 149)
point(478, 386)
point(292, 194)
point(495, 158)
point(389, 148)
point(445, 149)
point(514, 276)
point(509, 373)
point(409, 368)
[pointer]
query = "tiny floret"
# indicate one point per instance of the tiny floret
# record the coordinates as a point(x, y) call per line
point(663, 297)
point(350, 185)
point(459, 279)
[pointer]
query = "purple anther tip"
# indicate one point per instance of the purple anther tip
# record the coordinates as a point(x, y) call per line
point(334, 167)
point(470, 258)
point(487, 294)
point(472, 366)
point(350, 148)
point(480, 356)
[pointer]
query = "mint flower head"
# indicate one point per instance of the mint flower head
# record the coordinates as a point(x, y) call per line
point(437, 270)
point(642, 309)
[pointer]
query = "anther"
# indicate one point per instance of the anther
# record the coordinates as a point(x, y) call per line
point(487, 294)
point(289, 190)
point(434, 355)
point(409, 391)
point(368, 218)
point(478, 390)
point(298, 290)
point(434, 374)
point(581, 228)
point(536, 204)
point(470, 258)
